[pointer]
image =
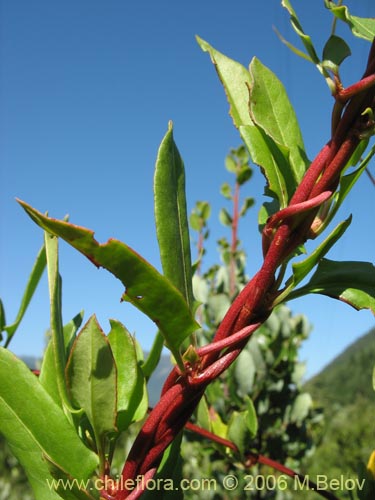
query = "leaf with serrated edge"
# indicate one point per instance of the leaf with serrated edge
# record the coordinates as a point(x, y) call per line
point(35, 426)
point(171, 220)
point(235, 79)
point(271, 109)
point(350, 282)
point(146, 288)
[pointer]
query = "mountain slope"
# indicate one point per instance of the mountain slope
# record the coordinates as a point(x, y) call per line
point(349, 375)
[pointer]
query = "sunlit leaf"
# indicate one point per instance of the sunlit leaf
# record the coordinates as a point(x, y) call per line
point(235, 79)
point(306, 39)
point(91, 378)
point(34, 278)
point(350, 282)
point(172, 226)
point(271, 110)
point(225, 218)
point(360, 26)
point(146, 288)
point(226, 191)
point(35, 426)
point(335, 51)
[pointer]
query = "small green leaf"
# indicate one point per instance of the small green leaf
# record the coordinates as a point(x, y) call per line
point(301, 408)
point(252, 420)
point(238, 431)
point(351, 282)
point(171, 220)
point(360, 26)
point(203, 415)
point(131, 396)
point(225, 218)
point(34, 278)
point(271, 109)
point(248, 203)
point(306, 39)
point(335, 51)
point(195, 222)
point(293, 48)
point(244, 174)
point(217, 306)
point(35, 426)
point(236, 80)
point(244, 372)
point(231, 164)
point(226, 191)
point(91, 378)
point(146, 288)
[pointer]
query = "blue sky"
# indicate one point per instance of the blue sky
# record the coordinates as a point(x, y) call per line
point(87, 89)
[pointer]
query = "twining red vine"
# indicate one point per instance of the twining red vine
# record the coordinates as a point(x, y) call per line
point(283, 233)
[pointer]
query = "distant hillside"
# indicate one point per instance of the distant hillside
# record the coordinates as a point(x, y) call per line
point(348, 376)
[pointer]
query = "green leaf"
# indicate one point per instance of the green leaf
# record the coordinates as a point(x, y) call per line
point(306, 39)
point(236, 80)
point(303, 268)
point(172, 226)
point(91, 379)
point(146, 288)
point(217, 306)
point(351, 282)
point(271, 109)
point(132, 401)
point(48, 376)
point(203, 415)
point(244, 373)
point(56, 327)
point(238, 431)
point(273, 162)
point(226, 191)
point(252, 420)
point(231, 164)
point(248, 203)
point(34, 278)
point(293, 48)
point(244, 174)
point(335, 51)
point(361, 27)
point(301, 407)
point(35, 426)
point(225, 218)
